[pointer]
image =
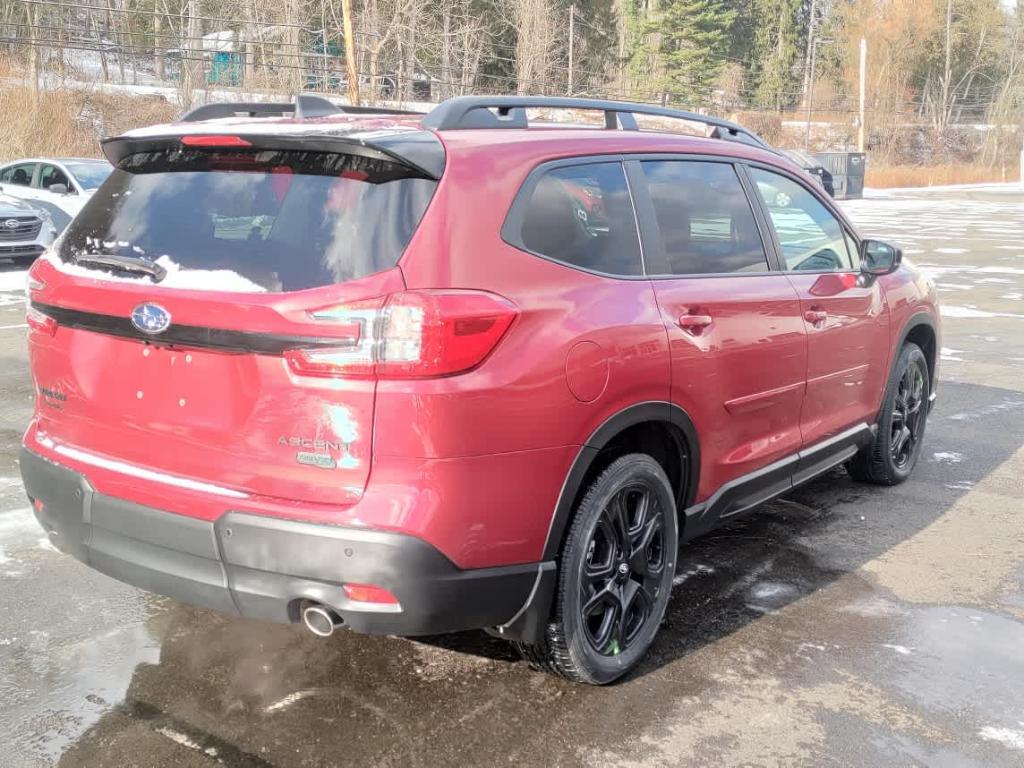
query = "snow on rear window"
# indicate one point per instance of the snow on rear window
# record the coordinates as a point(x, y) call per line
point(277, 220)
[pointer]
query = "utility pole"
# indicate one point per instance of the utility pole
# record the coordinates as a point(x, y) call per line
point(32, 15)
point(350, 53)
point(811, 21)
point(947, 72)
point(810, 89)
point(863, 78)
point(572, 40)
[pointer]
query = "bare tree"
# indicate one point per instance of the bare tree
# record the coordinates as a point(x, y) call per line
point(540, 30)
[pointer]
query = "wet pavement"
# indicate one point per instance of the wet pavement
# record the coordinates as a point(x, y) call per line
point(841, 625)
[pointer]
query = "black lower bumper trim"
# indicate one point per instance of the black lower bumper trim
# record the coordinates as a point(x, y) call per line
point(251, 565)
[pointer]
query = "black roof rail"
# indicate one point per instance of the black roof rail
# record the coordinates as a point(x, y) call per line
point(305, 105)
point(463, 112)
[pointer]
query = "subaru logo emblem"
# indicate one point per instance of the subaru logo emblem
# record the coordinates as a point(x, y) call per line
point(12, 223)
point(151, 318)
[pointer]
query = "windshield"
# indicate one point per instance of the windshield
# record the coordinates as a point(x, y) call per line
point(89, 175)
point(264, 220)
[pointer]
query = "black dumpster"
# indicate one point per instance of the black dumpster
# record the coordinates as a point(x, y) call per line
point(847, 169)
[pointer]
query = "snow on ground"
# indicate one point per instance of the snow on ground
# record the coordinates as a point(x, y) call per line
point(943, 231)
point(12, 281)
point(973, 313)
point(1011, 737)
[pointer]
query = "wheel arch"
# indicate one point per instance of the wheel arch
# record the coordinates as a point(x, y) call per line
point(629, 427)
point(920, 329)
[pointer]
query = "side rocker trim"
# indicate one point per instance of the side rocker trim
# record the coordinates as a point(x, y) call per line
point(753, 489)
point(732, 500)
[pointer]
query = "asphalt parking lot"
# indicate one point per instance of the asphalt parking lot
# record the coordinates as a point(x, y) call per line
point(841, 625)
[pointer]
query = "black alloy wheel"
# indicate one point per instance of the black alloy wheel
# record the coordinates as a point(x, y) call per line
point(906, 422)
point(614, 576)
point(622, 571)
point(892, 455)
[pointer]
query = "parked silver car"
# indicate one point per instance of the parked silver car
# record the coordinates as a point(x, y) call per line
point(59, 185)
point(25, 231)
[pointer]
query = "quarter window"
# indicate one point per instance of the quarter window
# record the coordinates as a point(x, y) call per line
point(18, 175)
point(705, 219)
point(582, 215)
point(812, 239)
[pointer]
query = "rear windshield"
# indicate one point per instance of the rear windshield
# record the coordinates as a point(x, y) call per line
point(267, 220)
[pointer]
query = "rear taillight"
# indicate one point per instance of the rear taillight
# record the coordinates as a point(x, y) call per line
point(413, 334)
point(37, 321)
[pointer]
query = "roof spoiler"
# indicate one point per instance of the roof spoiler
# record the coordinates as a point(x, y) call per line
point(305, 106)
point(418, 150)
point(466, 112)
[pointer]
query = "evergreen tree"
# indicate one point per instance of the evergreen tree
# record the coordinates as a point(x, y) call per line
point(684, 40)
point(776, 56)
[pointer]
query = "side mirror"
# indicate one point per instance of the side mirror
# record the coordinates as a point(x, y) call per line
point(878, 258)
point(58, 189)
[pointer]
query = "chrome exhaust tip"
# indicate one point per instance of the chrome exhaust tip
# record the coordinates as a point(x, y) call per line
point(320, 620)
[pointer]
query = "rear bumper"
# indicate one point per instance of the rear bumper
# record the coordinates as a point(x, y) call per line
point(263, 567)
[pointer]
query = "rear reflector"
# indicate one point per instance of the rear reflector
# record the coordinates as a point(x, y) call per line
point(215, 141)
point(369, 593)
point(413, 334)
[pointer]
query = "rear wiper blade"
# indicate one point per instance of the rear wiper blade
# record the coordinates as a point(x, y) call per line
point(123, 263)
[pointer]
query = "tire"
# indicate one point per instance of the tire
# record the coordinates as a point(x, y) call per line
point(891, 457)
point(631, 500)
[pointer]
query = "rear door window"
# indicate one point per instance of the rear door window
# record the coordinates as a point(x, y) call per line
point(266, 220)
point(704, 217)
point(582, 215)
point(50, 175)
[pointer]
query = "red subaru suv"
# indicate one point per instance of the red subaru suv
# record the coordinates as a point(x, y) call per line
point(414, 374)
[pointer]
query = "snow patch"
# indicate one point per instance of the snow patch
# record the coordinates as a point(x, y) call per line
point(951, 250)
point(16, 522)
point(690, 572)
point(1011, 737)
point(947, 457)
point(951, 354)
point(13, 281)
point(947, 310)
point(11, 299)
point(177, 277)
point(1000, 270)
point(288, 700)
point(989, 410)
point(902, 650)
point(180, 738)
